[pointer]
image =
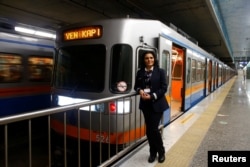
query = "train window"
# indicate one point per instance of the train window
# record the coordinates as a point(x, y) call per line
point(176, 65)
point(40, 68)
point(10, 68)
point(219, 71)
point(214, 69)
point(121, 68)
point(203, 71)
point(166, 62)
point(198, 71)
point(193, 70)
point(81, 68)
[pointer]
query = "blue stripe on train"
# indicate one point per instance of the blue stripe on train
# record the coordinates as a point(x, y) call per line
point(194, 99)
point(19, 105)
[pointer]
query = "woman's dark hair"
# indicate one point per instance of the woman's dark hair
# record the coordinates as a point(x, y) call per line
point(143, 56)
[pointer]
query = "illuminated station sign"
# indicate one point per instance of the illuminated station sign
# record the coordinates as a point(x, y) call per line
point(89, 32)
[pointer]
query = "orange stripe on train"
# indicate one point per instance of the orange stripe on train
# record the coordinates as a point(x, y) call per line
point(95, 136)
point(17, 91)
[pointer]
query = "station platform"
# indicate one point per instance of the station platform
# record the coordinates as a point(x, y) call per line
point(220, 122)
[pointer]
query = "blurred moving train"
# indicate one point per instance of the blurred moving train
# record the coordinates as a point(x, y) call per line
point(25, 72)
point(100, 59)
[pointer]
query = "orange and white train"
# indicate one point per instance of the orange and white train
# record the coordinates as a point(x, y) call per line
point(100, 59)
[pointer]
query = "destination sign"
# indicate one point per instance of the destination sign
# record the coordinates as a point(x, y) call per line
point(89, 32)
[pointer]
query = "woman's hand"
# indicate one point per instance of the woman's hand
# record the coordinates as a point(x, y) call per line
point(144, 96)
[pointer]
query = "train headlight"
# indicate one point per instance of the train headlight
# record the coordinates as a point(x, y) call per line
point(119, 107)
point(63, 100)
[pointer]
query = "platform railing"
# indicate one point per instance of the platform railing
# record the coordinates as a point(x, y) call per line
point(107, 158)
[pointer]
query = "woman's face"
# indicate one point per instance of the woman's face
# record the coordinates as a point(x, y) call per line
point(149, 60)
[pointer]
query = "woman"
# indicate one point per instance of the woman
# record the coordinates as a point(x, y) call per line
point(151, 85)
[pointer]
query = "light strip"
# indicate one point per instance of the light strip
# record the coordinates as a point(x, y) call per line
point(63, 100)
point(35, 32)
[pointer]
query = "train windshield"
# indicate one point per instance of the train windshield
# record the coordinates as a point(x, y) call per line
point(81, 68)
point(121, 68)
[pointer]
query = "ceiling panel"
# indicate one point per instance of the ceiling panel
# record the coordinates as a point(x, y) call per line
point(237, 22)
point(193, 17)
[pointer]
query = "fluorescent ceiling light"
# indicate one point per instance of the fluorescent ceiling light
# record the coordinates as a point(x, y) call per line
point(35, 32)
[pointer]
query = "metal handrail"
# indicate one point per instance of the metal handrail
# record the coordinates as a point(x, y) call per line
point(50, 111)
point(45, 112)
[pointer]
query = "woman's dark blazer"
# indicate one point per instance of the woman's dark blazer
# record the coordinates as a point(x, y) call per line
point(158, 86)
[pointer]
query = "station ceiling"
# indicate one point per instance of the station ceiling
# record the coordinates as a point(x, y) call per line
point(221, 27)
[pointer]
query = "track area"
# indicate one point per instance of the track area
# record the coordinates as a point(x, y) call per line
point(18, 141)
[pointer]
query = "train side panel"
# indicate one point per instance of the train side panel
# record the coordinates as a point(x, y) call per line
point(25, 73)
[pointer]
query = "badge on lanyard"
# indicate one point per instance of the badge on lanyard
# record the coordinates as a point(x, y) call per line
point(147, 90)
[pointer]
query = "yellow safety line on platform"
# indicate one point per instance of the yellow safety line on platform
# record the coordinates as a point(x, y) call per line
point(187, 118)
point(182, 152)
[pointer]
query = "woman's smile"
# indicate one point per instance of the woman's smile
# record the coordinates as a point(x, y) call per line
point(149, 60)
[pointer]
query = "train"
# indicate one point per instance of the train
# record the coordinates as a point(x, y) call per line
point(100, 59)
point(26, 65)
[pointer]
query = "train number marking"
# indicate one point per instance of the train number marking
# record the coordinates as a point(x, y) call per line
point(102, 138)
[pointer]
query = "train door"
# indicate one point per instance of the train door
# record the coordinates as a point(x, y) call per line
point(219, 75)
point(223, 75)
point(213, 75)
point(210, 69)
point(216, 75)
point(209, 77)
point(165, 48)
point(177, 94)
point(188, 83)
